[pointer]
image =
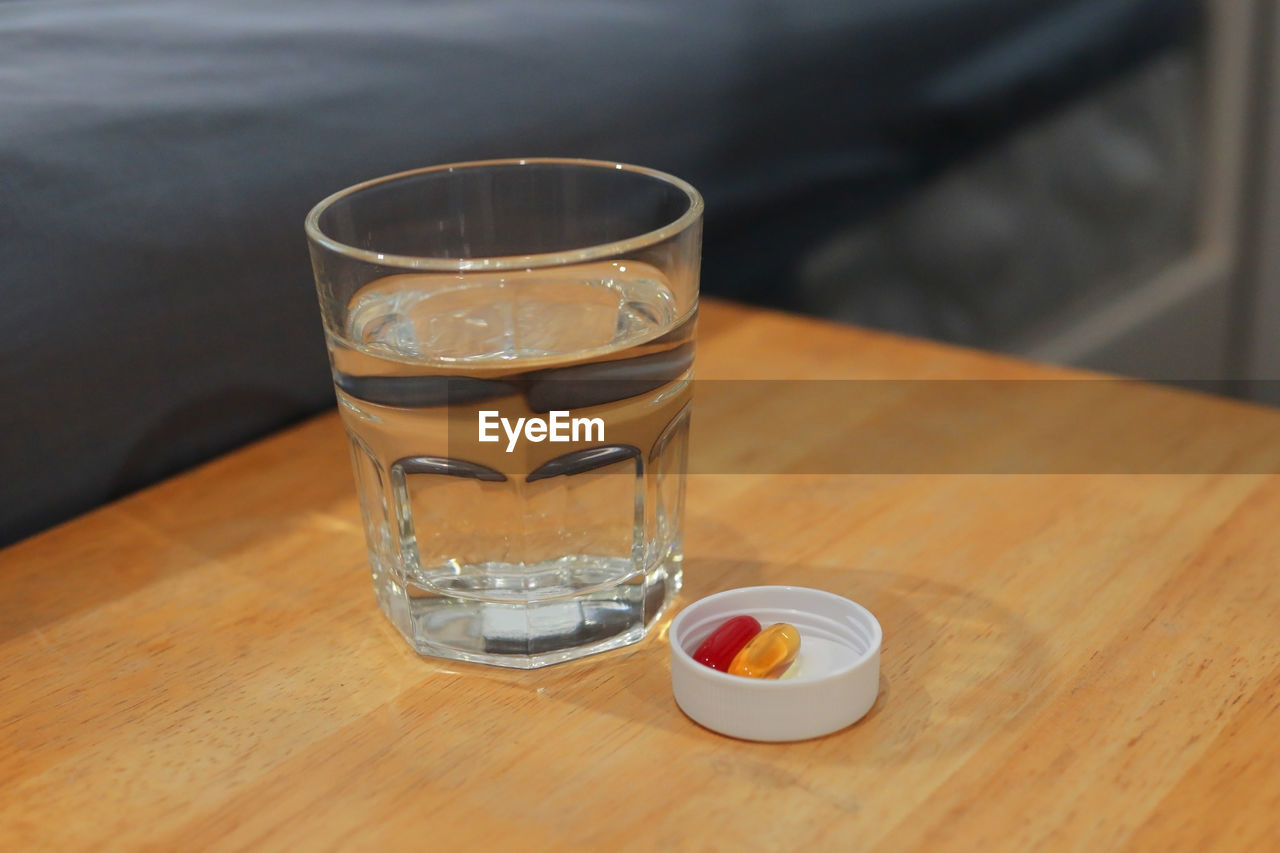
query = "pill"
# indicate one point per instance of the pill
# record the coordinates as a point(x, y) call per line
point(718, 650)
point(768, 654)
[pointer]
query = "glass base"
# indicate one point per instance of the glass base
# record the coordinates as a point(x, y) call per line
point(576, 606)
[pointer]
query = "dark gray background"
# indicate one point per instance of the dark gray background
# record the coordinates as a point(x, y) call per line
point(157, 159)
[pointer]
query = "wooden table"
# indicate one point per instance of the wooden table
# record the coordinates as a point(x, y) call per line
point(1070, 659)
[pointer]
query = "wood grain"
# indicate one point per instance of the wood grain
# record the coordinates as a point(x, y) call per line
point(1071, 660)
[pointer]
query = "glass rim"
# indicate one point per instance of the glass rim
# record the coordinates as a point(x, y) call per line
point(507, 262)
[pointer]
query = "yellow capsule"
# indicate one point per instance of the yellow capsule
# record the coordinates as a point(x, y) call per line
point(768, 654)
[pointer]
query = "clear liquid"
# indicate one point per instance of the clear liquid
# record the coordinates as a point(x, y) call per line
point(550, 551)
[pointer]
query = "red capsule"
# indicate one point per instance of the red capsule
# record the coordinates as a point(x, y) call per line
point(718, 650)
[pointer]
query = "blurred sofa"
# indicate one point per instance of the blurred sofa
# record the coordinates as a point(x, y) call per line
point(157, 159)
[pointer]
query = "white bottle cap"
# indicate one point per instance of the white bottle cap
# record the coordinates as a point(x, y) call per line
point(832, 684)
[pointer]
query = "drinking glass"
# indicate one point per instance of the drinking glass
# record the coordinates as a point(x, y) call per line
point(511, 344)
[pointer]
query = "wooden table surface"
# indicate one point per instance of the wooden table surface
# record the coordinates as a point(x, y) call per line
point(1071, 659)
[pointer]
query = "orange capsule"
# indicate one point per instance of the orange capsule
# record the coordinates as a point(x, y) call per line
point(769, 653)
